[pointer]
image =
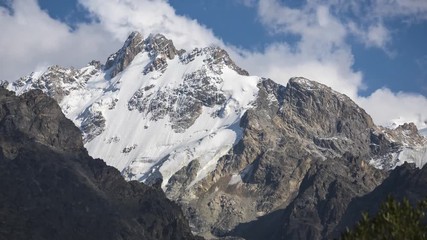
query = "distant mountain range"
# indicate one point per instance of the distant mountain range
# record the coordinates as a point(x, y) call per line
point(242, 155)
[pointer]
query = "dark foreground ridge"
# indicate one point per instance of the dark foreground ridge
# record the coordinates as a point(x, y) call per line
point(52, 189)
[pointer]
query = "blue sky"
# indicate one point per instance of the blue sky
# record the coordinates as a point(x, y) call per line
point(374, 51)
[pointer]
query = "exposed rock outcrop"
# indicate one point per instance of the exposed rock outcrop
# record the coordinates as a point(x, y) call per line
point(158, 47)
point(303, 157)
point(118, 61)
point(52, 189)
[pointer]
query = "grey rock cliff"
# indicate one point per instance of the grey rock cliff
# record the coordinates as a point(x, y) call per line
point(159, 48)
point(303, 157)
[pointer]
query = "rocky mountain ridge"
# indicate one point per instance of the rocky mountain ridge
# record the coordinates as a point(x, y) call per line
point(293, 148)
point(235, 151)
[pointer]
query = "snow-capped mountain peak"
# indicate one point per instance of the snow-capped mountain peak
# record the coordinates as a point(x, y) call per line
point(152, 109)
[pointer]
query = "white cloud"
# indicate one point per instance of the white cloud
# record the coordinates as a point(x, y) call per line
point(120, 17)
point(387, 107)
point(375, 35)
point(30, 38)
point(34, 38)
point(378, 35)
point(247, 3)
point(311, 21)
point(415, 9)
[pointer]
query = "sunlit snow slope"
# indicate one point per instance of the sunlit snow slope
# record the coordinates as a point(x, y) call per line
point(152, 113)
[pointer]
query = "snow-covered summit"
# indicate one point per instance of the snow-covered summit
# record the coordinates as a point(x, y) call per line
point(151, 109)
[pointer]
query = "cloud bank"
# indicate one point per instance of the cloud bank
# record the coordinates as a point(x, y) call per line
point(120, 17)
point(321, 53)
point(31, 39)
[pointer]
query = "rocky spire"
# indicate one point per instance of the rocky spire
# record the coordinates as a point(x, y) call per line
point(121, 59)
point(157, 46)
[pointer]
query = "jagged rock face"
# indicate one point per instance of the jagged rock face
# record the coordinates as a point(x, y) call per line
point(183, 105)
point(122, 58)
point(158, 47)
point(4, 83)
point(304, 152)
point(58, 82)
point(34, 116)
point(152, 109)
point(332, 119)
point(216, 59)
point(52, 189)
point(322, 200)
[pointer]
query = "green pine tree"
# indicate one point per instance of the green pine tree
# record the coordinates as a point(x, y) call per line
point(395, 220)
